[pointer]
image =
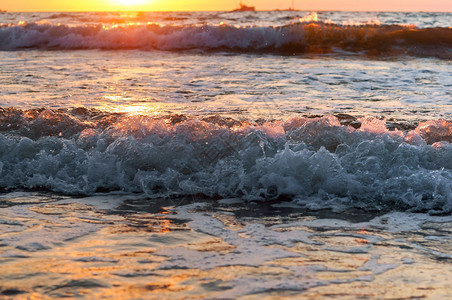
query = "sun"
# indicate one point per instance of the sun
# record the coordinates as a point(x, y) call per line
point(131, 2)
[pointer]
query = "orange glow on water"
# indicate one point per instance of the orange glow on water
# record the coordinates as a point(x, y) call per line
point(363, 231)
point(361, 241)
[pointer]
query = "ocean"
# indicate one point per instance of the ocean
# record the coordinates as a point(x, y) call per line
point(226, 155)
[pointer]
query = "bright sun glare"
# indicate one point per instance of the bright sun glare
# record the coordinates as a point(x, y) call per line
point(130, 2)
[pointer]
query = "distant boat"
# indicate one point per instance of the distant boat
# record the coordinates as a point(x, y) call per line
point(243, 7)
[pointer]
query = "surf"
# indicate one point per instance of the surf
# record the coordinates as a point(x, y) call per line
point(320, 161)
point(292, 39)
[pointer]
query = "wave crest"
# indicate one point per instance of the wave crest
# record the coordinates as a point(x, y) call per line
point(296, 38)
point(319, 161)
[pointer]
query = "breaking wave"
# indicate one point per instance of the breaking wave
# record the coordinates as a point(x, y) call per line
point(295, 38)
point(319, 162)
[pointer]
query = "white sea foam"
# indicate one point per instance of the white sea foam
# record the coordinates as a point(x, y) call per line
point(316, 160)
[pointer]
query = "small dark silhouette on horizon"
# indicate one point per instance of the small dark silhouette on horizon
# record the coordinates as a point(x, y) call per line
point(243, 7)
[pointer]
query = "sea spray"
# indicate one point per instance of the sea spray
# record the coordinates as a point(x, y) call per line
point(299, 158)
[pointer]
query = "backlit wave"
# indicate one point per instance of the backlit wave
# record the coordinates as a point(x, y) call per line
point(321, 162)
point(296, 38)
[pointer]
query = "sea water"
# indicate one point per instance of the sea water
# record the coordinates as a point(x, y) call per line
point(225, 155)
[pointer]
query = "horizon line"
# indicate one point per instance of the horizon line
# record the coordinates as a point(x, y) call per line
point(265, 10)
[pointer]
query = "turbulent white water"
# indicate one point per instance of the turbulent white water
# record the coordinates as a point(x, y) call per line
point(230, 117)
point(316, 160)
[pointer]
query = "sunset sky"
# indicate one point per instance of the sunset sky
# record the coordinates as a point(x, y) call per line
point(167, 5)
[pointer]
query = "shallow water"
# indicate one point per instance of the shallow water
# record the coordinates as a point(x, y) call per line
point(240, 86)
point(131, 247)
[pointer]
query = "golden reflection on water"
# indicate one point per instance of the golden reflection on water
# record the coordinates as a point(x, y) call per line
point(149, 109)
point(123, 257)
